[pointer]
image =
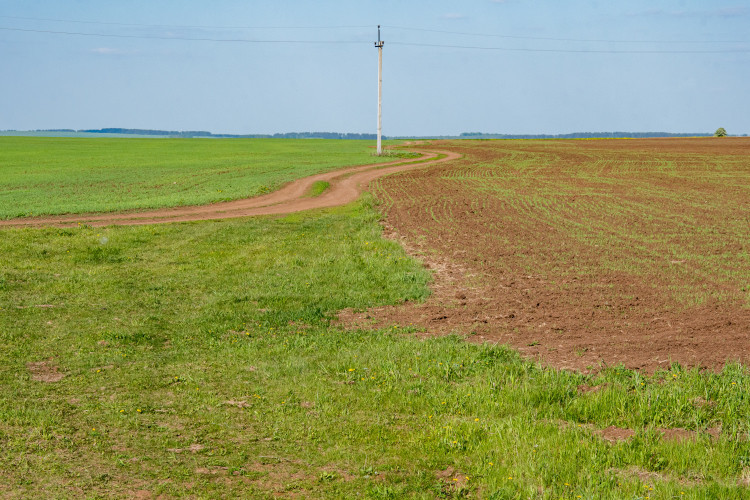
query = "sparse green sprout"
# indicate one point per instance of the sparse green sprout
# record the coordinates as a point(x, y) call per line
point(317, 188)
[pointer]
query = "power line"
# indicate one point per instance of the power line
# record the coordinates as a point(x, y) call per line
point(413, 44)
point(574, 51)
point(103, 23)
point(518, 37)
point(404, 28)
point(182, 38)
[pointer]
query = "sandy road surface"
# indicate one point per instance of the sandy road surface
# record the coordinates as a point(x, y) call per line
point(345, 186)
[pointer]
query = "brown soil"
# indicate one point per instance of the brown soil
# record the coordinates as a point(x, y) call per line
point(615, 434)
point(452, 480)
point(514, 231)
point(345, 186)
point(44, 371)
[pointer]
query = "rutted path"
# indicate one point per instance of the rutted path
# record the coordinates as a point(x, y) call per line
point(345, 186)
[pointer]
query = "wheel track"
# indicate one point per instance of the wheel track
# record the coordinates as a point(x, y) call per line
point(346, 185)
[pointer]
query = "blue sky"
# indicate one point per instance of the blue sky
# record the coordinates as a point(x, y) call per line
point(549, 66)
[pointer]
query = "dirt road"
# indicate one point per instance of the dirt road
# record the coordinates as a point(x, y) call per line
point(345, 186)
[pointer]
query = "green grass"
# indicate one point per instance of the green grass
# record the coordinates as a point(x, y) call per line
point(318, 188)
point(42, 175)
point(218, 336)
point(395, 153)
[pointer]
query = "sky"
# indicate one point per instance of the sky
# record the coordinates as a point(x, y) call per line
point(493, 66)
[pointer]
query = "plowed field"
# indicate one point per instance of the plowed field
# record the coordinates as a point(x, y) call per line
point(583, 253)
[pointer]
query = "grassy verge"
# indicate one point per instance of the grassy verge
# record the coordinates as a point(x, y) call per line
point(199, 359)
point(42, 175)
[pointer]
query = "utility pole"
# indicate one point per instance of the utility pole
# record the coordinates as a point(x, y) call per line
point(379, 45)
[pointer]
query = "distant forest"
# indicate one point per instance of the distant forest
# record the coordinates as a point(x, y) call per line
point(335, 135)
point(577, 135)
point(371, 137)
point(202, 133)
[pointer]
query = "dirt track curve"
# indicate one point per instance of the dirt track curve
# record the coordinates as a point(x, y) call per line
point(345, 186)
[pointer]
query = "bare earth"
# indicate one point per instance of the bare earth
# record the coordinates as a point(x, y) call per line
point(581, 254)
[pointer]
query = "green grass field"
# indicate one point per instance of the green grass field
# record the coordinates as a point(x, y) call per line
point(41, 175)
point(200, 359)
point(203, 359)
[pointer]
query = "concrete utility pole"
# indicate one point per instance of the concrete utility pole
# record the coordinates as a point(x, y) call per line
point(379, 45)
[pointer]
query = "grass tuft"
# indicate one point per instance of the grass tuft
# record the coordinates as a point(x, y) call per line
point(318, 188)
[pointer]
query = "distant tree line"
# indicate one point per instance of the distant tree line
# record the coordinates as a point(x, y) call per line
point(371, 137)
point(202, 133)
point(322, 135)
point(578, 135)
